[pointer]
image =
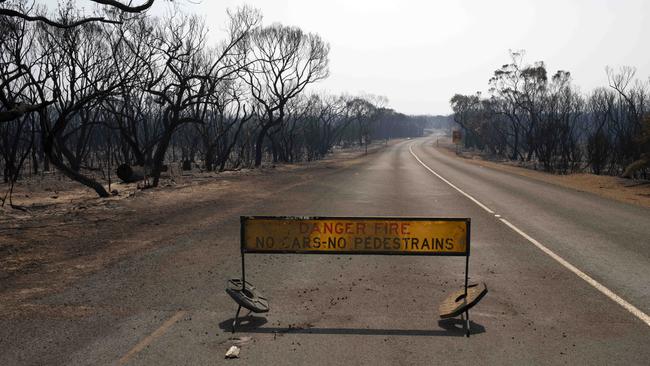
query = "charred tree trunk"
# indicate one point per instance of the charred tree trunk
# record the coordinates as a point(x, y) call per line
point(259, 144)
point(56, 159)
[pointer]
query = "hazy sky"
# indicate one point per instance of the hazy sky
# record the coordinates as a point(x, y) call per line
point(419, 53)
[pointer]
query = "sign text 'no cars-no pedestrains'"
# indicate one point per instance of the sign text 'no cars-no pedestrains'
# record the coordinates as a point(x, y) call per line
point(356, 235)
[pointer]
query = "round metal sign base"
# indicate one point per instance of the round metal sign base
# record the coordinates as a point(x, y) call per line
point(248, 297)
point(456, 303)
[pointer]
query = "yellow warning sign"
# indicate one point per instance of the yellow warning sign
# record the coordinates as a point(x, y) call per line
point(331, 235)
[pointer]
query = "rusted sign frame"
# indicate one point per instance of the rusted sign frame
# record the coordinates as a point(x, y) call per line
point(245, 250)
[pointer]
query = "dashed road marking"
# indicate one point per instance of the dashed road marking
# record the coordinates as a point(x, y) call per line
point(151, 337)
point(597, 285)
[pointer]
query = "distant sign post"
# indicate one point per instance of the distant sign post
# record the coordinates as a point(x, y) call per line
point(349, 235)
point(456, 136)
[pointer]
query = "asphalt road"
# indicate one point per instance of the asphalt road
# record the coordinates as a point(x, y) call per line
point(579, 300)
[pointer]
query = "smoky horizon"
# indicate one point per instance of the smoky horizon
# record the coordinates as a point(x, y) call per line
point(418, 54)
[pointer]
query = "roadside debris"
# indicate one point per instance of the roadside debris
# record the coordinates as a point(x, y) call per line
point(233, 352)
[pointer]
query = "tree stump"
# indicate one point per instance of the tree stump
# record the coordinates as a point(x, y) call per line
point(130, 174)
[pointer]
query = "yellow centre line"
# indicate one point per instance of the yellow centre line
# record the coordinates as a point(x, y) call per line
point(151, 337)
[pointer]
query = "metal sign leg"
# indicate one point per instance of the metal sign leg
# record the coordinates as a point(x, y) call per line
point(466, 281)
point(243, 287)
point(243, 271)
point(234, 322)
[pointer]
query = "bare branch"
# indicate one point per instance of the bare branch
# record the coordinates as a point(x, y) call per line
point(110, 3)
point(124, 7)
point(14, 13)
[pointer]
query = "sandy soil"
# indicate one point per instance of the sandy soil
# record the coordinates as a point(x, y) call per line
point(636, 192)
point(65, 232)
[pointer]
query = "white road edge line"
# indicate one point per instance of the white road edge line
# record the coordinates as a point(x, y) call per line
point(448, 182)
point(597, 285)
